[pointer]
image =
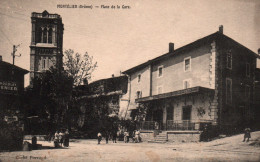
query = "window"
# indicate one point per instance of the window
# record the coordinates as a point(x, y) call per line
point(139, 78)
point(160, 71)
point(229, 59)
point(50, 36)
point(187, 64)
point(45, 35)
point(228, 91)
point(186, 83)
point(159, 89)
point(44, 63)
point(247, 69)
point(186, 112)
point(138, 94)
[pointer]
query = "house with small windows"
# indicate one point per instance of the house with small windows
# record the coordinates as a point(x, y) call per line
point(209, 82)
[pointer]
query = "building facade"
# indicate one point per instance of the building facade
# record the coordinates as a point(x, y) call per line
point(102, 98)
point(46, 42)
point(207, 82)
point(11, 91)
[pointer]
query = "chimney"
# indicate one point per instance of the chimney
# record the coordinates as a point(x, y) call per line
point(258, 51)
point(1, 58)
point(171, 47)
point(220, 29)
point(113, 75)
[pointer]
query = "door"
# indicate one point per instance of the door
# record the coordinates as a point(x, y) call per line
point(186, 112)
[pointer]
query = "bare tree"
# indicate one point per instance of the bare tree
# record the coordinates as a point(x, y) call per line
point(79, 67)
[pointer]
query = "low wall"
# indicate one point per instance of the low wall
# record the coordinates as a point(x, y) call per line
point(39, 137)
point(183, 136)
point(147, 135)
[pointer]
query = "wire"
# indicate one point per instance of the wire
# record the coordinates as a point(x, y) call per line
point(6, 37)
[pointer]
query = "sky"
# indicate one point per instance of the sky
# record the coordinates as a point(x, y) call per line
point(119, 39)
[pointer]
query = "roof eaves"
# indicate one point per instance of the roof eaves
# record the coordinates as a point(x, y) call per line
point(192, 44)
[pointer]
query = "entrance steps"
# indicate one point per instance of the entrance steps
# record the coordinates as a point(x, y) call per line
point(161, 138)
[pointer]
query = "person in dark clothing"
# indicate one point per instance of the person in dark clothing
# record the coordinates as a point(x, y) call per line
point(99, 137)
point(247, 135)
point(114, 137)
point(66, 139)
point(107, 137)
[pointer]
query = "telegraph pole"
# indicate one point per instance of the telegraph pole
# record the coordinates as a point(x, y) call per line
point(14, 50)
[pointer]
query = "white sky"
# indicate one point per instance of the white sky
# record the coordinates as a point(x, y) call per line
point(121, 39)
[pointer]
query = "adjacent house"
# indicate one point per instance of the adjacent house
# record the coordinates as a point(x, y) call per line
point(11, 91)
point(101, 98)
point(210, 81)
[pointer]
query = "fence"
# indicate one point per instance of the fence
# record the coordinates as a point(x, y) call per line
point(170, 125)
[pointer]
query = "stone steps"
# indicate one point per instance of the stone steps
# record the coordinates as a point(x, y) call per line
point(161, 138)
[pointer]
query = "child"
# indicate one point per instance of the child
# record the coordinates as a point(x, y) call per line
point(99, 137)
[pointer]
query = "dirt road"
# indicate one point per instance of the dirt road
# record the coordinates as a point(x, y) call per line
point(225, 149)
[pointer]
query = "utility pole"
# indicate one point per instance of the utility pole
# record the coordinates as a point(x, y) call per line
point(14, 50)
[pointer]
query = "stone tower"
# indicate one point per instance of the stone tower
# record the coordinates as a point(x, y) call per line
point(46, 42)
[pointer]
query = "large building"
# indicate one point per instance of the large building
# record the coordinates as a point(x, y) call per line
point(209, 81)
point(11, 90)
point(46, 42)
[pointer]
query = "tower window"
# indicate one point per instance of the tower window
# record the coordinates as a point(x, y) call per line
point(44, 64)
point(45, 35)
point(50, 36)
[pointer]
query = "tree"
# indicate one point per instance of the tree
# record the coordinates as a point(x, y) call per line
point(79, 67)
point(49, 98)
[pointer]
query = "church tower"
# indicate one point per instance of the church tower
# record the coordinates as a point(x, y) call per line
point(46, 42)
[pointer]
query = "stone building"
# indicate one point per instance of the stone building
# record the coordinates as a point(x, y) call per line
point(46, 42)
point(11, 90)
point(207, 82)
point(103, 96)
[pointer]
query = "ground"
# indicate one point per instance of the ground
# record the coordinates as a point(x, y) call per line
point(224, 149)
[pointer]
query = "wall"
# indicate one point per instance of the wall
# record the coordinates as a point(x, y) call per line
point(183, 137)
point(174, 74)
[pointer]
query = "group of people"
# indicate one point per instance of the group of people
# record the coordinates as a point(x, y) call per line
point(135, 136)
point(107, 136)
point(61, 138)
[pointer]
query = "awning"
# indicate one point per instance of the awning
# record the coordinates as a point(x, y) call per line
point(175, 94)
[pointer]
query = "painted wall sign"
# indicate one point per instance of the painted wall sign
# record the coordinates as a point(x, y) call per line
point(8, 86)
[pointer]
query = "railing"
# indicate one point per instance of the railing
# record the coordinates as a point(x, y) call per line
point(180, 125)
point(170, 125)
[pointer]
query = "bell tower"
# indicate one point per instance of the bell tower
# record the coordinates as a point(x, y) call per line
point(46, 42)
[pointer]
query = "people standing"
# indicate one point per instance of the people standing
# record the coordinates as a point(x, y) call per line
point(107, 137)
point(61, 137)
point(99, 137)
point(66, 139)
point(56, 139)
point(137, 136)
point(114, 136)
point(247, 134)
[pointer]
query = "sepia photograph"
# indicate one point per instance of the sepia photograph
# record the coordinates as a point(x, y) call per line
point(129, 80)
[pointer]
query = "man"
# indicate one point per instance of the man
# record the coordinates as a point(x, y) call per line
point(66, 139)
point(99, 137)
point(114, 136)
point(247, 134)
point(61, 137)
